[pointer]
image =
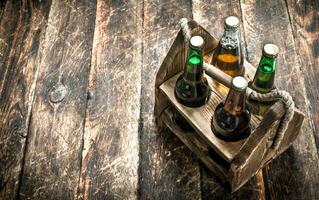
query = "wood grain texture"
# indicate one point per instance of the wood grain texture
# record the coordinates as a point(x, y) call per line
point(196, 144)
point(2, 7)
point(168, 169)
point(304, 18)
point(53, 153)
point(211, 188)
point(9, 24)
point(268, 21)
point(22, 28)
point(111, 148)
point(211, 14)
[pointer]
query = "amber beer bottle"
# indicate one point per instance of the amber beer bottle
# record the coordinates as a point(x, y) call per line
point(192, 88)
point(264, 79)
point(228, 55)
point(231, 120)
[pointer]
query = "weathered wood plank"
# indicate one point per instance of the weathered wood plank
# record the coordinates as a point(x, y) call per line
point(8, 26)
point(211, 15)
point(294, 174)
point(111, 149)
point(53, 153)
point(2, 6)
point(168, 169)
point(211, 189)
point(304, 16)
point(22, 28)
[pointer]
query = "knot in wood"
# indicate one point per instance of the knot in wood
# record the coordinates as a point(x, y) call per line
point(57, 93)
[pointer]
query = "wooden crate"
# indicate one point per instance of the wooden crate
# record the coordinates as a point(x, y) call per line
point(234, 163)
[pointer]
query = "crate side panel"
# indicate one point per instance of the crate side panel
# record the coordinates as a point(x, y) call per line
point(200, 119)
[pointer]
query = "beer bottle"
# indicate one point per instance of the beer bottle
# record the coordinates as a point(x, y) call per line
point(191, 87)
point(228, 55)
point(231, 120)
point(265, 75)
point(264, 79)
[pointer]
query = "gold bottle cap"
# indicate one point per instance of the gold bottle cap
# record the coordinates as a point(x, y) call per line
point(197, 42)
point(271, 50)
point(239, 83)
point(232, 22)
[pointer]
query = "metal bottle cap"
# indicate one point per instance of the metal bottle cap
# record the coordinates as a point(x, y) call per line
point(232, 22)
point(239, 83)
point(197, 42)
point(270, 50)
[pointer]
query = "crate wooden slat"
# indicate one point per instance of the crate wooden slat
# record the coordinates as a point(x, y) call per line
point(199, 117)
point(233, 162)
point(196, 144)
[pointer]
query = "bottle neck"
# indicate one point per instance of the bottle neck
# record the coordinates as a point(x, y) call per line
point(231, 32)
point(194, 65)
point(265, 76)
point(235, 102)
point(230, 39)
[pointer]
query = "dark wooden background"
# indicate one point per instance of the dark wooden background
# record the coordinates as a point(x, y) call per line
point(77, 97)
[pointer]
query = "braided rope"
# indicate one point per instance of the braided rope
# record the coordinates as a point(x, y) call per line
point(285, 97)
point(273, 95)
point(185, 29)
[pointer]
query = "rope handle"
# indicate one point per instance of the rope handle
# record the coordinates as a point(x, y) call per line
point(273, 95)
point(286, 98)
point(185, 29)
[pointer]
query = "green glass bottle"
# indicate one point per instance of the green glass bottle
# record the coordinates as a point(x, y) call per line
point(231, 120)
point(192, 88)
point(264, 79)
point(265, 75)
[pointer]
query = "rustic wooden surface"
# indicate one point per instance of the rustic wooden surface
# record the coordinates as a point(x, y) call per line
point(77, 97)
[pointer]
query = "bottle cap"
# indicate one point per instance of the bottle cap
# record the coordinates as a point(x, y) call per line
point(197, 42)
point(232, 22)
point(270, 50)
point(239, 83)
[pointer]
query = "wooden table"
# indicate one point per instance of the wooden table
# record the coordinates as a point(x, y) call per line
point(77, 98)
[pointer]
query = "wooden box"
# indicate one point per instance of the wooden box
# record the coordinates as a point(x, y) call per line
point(234, 163)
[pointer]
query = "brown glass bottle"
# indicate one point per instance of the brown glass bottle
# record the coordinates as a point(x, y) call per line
point(231, 120)
point(228, 54)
